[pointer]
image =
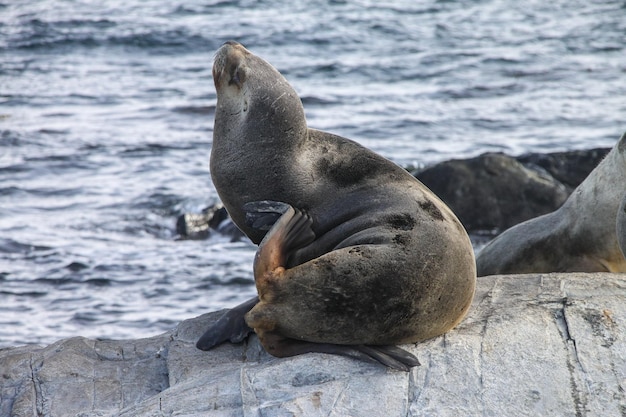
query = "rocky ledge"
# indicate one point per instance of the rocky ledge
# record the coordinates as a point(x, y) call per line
point(550, 345)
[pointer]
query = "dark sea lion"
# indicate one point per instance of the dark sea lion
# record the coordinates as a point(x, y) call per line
point(581, 236)
point(359, 256)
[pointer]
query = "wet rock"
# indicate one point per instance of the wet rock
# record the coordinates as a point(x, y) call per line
point(569, 168)
point(493, 190)
point(212, 219)
point(549, 345)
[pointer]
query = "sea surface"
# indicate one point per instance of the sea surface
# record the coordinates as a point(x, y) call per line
point(106, 117)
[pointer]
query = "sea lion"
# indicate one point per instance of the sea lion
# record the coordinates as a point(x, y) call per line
point(360, 255)
point(580, 236)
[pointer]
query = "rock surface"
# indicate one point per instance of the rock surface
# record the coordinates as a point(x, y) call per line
point(550, 345)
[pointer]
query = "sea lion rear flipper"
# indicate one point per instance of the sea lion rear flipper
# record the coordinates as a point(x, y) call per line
point(231, 326)
point(391, 356)
point(292, 231)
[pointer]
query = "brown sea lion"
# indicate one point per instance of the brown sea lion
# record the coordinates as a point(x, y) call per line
point(360, 254)
point(580, 236)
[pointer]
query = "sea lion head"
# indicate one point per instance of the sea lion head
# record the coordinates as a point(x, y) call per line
point(230, 65)
point(252, 93)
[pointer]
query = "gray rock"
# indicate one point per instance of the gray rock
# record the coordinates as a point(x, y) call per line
point(550, 345)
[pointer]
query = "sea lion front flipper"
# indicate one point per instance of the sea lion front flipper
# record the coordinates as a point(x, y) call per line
point(231, 326)
point(261, 215)
point(292, 231)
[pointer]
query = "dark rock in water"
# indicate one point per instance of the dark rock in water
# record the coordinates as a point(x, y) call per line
point(489, 193)
point(199, 226)
point(228, 228)
point(570, 168)
point(493, 191)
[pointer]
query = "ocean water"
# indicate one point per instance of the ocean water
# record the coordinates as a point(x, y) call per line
point(106, 114)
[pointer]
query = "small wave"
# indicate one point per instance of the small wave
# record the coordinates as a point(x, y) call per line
point(161, 203)
point(317, 101)
point(168, 39)
point(37, 34)
point(155, 149)
point(76, 266)
point(44, 192)
point(208, 7)
point(53, 131)
point(99, 282)
point(13, 246)
point(482, 91)
point(30, 294)
point(212, 283)
point(203, 110)
point(86, 317)
point(58, 282)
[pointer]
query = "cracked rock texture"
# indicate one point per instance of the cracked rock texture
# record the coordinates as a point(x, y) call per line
point(550, 345)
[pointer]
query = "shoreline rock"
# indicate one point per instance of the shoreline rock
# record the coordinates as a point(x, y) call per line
point(540, 344)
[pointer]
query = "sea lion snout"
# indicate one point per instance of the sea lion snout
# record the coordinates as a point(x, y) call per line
point(230, 62)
